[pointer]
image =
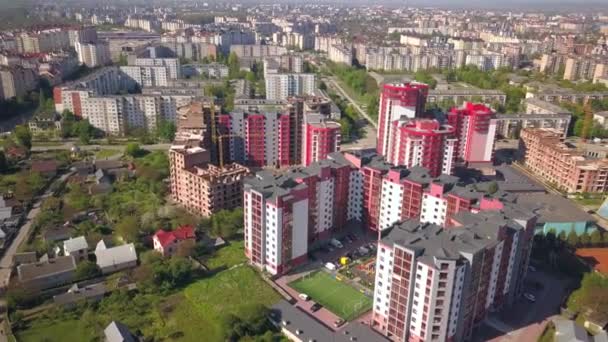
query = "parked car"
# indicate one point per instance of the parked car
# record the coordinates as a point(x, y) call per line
point(303, 296)
point(330, 266)
point(530, 297)
point(339, 322)
point(336, 243)
point(316, 307)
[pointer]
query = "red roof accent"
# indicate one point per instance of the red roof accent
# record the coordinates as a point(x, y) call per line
point(165, 238)
point(595, 257)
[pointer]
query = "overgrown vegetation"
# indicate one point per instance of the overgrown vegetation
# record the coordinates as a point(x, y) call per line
point(362, 85)
point(591, 299)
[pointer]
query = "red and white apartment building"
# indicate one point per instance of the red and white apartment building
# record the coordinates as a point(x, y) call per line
point(300, 130)
point(422, 142)
point(397, 101)
point(475, 133)
point(437, 283)
point(405, 138)
point(349, 187)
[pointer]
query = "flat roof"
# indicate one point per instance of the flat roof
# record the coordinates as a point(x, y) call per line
point(295, 320)
point(554, 208)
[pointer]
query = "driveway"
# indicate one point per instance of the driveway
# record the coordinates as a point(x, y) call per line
point(524, 320)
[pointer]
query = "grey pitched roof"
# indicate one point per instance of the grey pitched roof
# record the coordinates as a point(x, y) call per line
point(118, 332)
point(75, 244)
point(116, 255)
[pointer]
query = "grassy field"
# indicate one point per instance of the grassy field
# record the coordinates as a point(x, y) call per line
point(106, 153)
point(194, 313)
point(228, 256)
point(338, 297)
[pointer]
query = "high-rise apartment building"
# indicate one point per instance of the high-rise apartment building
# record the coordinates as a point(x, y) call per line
point(474, 132)
point(16, 81)
point(147, 76)
point(436, 283)
point(397, 101)
point(93, 54)
point(353, 186)
point(423, 142)
point(281, 86)
point(172, 65)
point(320, 138)
point(201, 187)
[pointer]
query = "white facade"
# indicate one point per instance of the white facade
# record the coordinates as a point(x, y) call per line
point(93, 54)
point(148, 76)
point(391, 199)
point(172, 65)
point(434, 209)
point(355, 196)
point(282, 86)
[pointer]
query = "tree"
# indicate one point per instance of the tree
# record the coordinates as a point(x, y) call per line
point(3, 162)
point(128, 228)
point(585, 239)
point(573, 239)
point(322, 86)
point(233, 65)
point(492, 188)
point(87, 270)
point(133, 150)
point(84, 130)
point(23, 136)
point(596, 238)
point(166, 130)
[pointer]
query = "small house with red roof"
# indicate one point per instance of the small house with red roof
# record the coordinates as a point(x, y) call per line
point(167, 242)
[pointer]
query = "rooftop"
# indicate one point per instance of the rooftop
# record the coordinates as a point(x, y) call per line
point(43, 269)
point(116, 255)
point(554, 208)
point(300, 324)
point(75, 244)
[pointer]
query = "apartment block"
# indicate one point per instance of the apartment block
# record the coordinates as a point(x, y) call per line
point(257, 51)
point(287, 212)
point(474, 132)
point(398, 101)
point(201, 187)
point(320, 138)
point(93, 54)
point(16, 81)
point(172, 65)
point(459, 96)
point(341, 54)
point(147, 76)
point(43, 41)
point(572, 166)
point(423, 142)
point(357, 187)
point(283, 85)
point(437, 283)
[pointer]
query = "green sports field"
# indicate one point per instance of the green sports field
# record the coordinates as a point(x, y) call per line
point(338, 297)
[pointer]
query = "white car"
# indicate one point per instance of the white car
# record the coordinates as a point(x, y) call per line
point(303, 296)
point(330, 266)
point(530, 297)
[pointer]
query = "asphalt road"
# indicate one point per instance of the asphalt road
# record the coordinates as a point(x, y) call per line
point(350, 99)
point(69, 145)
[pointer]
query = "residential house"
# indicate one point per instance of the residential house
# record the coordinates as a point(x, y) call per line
point(78, 247)
point(114, 259)
point(57, 234)
point(24, 258)
point(47, 168)
point(47, 273)
point(118, 332)
point(168, 242)
point(89, 293)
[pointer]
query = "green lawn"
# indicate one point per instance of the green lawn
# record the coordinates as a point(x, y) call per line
point(228, 256)
point(229, 292)
point(194, 313)
point(51, 331)
point(338, 297)
point(106, 153)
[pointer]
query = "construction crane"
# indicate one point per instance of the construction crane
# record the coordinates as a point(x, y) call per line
point(588, 122)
